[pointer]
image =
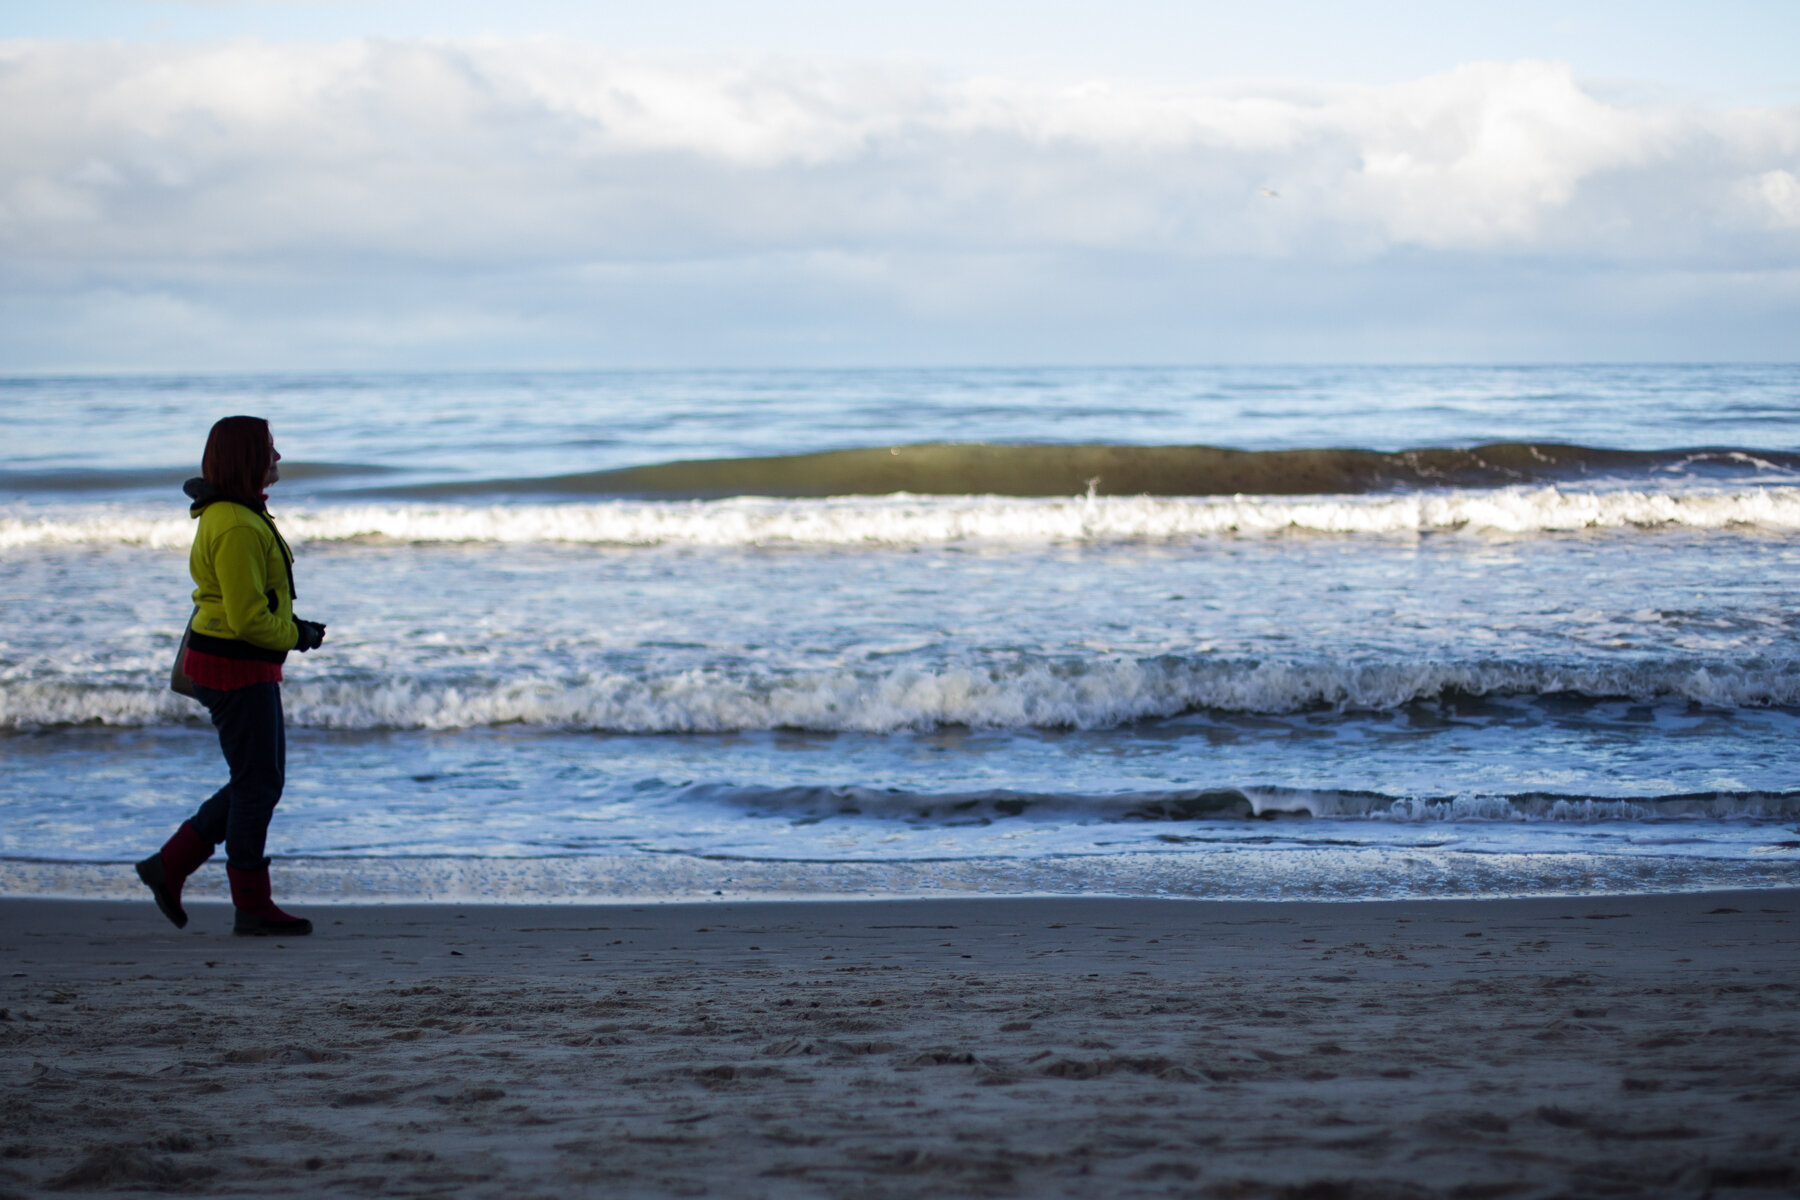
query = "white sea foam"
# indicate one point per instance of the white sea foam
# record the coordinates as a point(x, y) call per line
point(1534, 807)
point(903, 520)
point(1032, 695)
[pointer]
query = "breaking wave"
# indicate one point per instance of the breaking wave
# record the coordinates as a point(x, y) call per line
point(981, 468)
point(906, 520)
point(814, 803)
point(1027, 694)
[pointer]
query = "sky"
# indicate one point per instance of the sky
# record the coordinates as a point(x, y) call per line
point(312, 185)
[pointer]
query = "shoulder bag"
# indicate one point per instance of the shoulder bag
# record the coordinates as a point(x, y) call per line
point(178, 678)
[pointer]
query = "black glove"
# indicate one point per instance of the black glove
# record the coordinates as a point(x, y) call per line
point(312, 635)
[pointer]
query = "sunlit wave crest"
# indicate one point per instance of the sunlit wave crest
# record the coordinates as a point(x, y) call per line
point(905, 520)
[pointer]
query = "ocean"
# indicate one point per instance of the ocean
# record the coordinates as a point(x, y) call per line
point(1308, 632)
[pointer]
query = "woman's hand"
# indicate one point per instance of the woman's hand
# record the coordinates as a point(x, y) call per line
point(312, 635)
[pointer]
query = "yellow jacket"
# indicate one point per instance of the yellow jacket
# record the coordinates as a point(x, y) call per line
point(243, 581)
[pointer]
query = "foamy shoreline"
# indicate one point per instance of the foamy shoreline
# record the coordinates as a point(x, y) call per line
point(1230, 871)
point(1057, 1046)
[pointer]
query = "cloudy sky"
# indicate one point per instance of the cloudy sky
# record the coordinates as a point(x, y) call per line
point(391, 183)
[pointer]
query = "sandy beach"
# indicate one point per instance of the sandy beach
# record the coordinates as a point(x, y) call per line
point(1608, 1046)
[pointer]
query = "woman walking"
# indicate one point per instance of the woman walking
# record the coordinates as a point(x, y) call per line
point(241, 632)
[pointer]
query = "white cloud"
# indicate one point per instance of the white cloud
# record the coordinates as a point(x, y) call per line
point(186, 170)
point(1776, 197)
point(447, 149)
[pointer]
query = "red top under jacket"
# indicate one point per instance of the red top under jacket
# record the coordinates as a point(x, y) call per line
point(228, 674)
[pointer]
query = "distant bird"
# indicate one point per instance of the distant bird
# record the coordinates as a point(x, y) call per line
point(1271, 193)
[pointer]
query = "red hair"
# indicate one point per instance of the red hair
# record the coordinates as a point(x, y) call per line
point(238, 453)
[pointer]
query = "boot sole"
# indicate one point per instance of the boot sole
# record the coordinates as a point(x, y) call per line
point(257, 927)
point(151, 872)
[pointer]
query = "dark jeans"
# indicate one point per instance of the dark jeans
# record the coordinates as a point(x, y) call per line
point(255, 744)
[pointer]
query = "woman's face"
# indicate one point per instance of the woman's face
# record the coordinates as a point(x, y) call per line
point(274, 462)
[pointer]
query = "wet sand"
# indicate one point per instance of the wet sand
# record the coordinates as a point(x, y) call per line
point(1614, 1046)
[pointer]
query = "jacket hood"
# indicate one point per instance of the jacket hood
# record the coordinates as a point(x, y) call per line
point(203, 493)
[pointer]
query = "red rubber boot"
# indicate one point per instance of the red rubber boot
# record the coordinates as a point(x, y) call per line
point(257, 915)
point(165, 871)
